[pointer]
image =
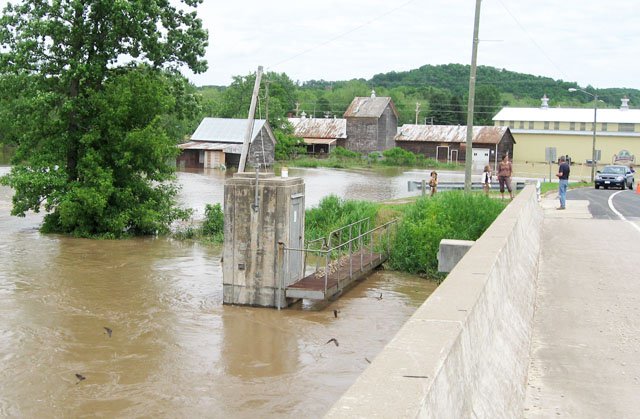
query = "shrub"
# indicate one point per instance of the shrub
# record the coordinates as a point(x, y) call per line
point(288, 146)
point(343, 153)
point(333, 213)
point(399, 157)
point(451, 215)
point(213, 225)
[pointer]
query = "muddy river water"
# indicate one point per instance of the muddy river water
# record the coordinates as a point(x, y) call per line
point(172, 348)
point(136, 328)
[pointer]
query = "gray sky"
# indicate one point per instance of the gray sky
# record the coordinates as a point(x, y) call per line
point(592, 42)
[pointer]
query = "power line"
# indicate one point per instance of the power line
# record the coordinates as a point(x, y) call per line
point(341, 35)
point(531, 39)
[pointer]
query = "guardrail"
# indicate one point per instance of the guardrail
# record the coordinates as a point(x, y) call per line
point(414, 185)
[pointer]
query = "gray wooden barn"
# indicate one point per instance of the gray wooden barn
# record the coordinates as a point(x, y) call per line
point(217, 143)
point(372, 123)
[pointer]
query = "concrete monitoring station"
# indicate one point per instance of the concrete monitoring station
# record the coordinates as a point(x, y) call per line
point(261, 211)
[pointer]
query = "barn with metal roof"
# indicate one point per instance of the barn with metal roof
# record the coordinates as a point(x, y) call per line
point(217, 142)
point(448, 142)
point(372, 122)
point(320, 135)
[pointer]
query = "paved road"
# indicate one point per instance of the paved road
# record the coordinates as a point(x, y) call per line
point(585, 350)
point(625, 202)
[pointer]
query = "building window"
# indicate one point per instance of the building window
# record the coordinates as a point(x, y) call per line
point(556, 125)
point(530, 124)
point(512, 124)
point(572, 126)
point(626, 127)
point(521, 124)
point(546, 124)
point(583, 126)
point(604, 126)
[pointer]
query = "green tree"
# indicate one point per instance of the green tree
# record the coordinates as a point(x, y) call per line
point(280, 100)
point(98, 118)
point(487, 104)
point(439, 108)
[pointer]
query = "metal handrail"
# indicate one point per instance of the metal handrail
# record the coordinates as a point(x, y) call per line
point(339, 249)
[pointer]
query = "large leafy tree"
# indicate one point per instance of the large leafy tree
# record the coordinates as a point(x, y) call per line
point(487, 104)
point(279, 101)
point(95, 120)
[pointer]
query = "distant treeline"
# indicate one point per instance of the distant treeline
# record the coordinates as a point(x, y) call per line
point(438, 92)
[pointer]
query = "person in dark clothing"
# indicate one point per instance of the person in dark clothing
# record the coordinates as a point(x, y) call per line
point(563, 176)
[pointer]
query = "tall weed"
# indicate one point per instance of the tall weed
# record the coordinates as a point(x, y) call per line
point(451, 215)
point(333, 213)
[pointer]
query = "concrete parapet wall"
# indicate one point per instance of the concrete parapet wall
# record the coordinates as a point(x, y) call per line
point(450, 252)
point(464, 353)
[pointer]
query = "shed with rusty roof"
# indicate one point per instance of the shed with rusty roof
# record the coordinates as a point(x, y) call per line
point(320, 135)
point(217, 142)
point(448, 142)
point(372, 123)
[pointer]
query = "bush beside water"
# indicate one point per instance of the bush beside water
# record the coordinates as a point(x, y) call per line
point(211, 229)
point(341, 158)
point(333, 213)
point(450, 215)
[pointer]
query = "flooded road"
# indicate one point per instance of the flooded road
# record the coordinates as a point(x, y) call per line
point(174, 349)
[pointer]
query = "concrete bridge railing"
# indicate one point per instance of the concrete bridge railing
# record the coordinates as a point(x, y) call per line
point(465, 351)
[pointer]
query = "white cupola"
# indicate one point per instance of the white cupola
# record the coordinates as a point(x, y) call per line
point(625, 104)
point(545, 102)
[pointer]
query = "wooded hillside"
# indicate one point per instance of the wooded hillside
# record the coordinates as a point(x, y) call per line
point(440, 90)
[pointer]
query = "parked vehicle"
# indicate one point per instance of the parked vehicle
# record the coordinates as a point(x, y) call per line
point(614, 176)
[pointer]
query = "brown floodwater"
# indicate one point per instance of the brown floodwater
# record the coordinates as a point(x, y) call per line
point(174, 349)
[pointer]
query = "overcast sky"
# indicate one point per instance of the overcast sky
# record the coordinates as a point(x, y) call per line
point(591, 42)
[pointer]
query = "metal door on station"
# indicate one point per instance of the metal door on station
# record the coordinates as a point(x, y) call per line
point(296, 237)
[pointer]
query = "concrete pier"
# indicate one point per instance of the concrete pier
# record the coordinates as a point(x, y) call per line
point(259, 213)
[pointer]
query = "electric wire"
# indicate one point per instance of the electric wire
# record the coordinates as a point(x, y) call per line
point(533, 41)
point(341, 35)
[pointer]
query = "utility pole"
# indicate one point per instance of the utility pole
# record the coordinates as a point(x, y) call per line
point(417, 111)
point(472, 92)
point(250, 120)
point(266, 90)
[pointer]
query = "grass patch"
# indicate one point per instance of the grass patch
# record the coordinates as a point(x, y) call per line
point(341, 158)
point(424, 222)
point(451, 215)
point(333, 213)
point(546, 187)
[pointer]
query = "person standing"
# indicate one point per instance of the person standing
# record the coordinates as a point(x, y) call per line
point(563, 176)
point(433, 182)
point(504, 175)
point(486, 180)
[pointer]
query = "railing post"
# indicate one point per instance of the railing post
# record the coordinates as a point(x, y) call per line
point(361, 245)
point(326, 271)
point(350, 259)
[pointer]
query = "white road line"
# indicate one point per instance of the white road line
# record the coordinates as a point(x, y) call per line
point(616, 212)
